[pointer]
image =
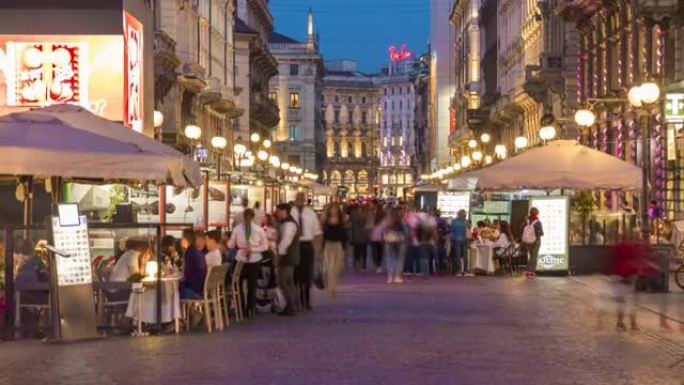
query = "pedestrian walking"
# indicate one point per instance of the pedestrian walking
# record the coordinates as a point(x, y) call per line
point(395, 236)
point(288, 256)
point(335, 237)
point(310, 244)
point(460, 234)
point(376, 237)
point(531, 237)
point(442, 235)
point(359, 236)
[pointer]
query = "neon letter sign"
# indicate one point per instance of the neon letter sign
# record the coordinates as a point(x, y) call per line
point(401, 55)
point(133, 73)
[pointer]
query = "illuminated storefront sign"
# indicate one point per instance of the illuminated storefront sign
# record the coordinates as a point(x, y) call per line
point(674, 107)
point(400, 55)
point(40, 70)
point(554, 216)
point(133, 72)
point(42, 73)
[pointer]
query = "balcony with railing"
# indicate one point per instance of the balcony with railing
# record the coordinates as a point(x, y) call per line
point(264, 110)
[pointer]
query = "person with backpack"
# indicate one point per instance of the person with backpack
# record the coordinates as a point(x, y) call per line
point(531, 238)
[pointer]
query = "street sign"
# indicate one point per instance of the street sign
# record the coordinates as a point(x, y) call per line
point(674, 107)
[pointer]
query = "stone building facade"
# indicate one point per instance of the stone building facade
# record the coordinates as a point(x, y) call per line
point(623, 44)
point(351, 110)
point(194, 80)
point(255, 66)
point(297, 90)
point(397, 127)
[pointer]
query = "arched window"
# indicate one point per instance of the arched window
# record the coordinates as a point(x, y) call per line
point(349, 177)
point(363, 176)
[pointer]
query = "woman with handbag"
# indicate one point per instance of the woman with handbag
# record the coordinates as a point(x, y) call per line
point(394, 236)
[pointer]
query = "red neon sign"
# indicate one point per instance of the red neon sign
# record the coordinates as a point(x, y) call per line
point(133, 72)
point(44, 73)
point(401, 55)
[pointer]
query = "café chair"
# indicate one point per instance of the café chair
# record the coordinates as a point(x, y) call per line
point(210, 302)
point(235, 294)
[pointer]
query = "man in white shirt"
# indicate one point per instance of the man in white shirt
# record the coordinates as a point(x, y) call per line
point(213, 256)
point(310, 244)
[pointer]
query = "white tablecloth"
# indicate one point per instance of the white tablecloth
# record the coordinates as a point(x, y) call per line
point(170, 304)
point(482, 258)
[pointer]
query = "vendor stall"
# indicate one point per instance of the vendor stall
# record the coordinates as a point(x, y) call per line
point(555, 168)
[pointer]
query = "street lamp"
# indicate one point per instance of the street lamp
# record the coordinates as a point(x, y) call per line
point(193, 132)
point(585, 118)
point(547, 133)
point(158, 119)
point(500, 151)
point(267, 143)
point(477, 156)
point(255, 137)
point(520, 142)
point(465, 161)
point(219, 143)
point(262, 155)
point(485, 138)
point(285, 166)
point(488, 159)
point(644, 97)
point(472, 143)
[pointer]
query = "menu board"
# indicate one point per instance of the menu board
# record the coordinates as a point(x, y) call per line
point(218, 203)
point(74, 269)
point(554, 216)
point(450, 203)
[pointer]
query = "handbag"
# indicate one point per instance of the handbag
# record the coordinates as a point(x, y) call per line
point(318, 279)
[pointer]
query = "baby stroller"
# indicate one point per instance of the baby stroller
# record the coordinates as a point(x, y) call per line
point(266, 284)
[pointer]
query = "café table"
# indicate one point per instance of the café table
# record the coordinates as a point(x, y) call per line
point(482, 257)
point(142, 305)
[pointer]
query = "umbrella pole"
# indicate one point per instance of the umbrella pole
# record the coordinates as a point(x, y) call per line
point(28, 200)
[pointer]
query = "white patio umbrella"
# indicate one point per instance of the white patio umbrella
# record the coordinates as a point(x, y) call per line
point(561, 164)
point(69, 141)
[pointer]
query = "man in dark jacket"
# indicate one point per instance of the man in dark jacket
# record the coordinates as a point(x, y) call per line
point(288, 256)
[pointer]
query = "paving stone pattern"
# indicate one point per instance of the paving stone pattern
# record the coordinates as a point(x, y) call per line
point(439, 331)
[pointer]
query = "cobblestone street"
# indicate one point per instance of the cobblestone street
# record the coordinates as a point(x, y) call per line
point(440, 331)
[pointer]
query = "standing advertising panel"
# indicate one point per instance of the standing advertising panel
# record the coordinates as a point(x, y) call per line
point(450, 203)
point(554, 216)
point(185, 205)
point(72, 281)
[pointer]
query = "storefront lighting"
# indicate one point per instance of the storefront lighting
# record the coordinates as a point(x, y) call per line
point(449, 170)
point(488, 159)
point(267, 143)
point(520, 142)
point(274, 160)
point(485, 138)
point(293, 169)
point(219, 142)
point(259, 182)
point(285, 166)
point(472, 143)
point(193, 132)
point(585, 118)
point(457, 167)
point(255, 137)
point(262, 155)
point(477, 156)
point(158, 119)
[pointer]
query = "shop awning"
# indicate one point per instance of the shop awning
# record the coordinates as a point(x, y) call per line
point(561, 164)
point(71, 142)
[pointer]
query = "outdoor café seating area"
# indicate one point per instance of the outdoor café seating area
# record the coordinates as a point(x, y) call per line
point(135, 305)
